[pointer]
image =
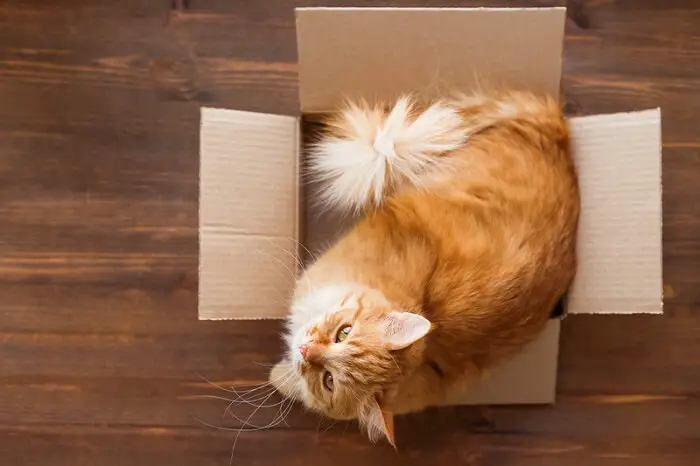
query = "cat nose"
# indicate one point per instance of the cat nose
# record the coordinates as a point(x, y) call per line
point(304, 350)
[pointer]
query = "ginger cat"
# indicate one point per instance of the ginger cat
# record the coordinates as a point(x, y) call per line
point(467, 241)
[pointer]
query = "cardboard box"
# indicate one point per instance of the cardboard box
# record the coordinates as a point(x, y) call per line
point(251, 199)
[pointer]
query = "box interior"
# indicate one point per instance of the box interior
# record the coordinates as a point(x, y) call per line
point(378, 53)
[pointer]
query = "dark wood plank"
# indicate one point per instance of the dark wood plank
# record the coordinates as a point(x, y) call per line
point(116, 446)
point(101, 352)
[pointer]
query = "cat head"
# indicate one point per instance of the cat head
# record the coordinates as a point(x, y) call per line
point(345, 363)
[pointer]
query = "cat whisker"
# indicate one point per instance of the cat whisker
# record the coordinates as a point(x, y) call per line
point(237, 390)
point(331, 426)
point(257, 401)
point(318, 426)
point(297, 260)
point(280, 412)
point(240, 396)
point(259, 397)
point(239, 393)
point(254, 426)
point(219, 387)
point(256, 391)
point(398, 368)
point(294, 257)
point(235, 441)
point(281, 263)
point(313, 256)
point(285, 406)
point(264, 364)
point(228, 400)
point(284, 412)
point(270, 383)
point(284, 296)
point(235, 429)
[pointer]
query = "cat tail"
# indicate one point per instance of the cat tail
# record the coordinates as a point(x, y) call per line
point(369, 152)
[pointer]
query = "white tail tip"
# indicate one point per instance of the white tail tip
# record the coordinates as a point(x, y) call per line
point(371, 153)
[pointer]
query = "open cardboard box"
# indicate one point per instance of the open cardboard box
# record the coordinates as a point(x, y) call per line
point(252, 210)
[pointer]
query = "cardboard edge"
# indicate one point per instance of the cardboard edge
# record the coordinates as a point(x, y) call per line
point(241, 319)
point(299, 208)
point(561, 50)
point(557, 352)
point(218, 114)
point(203, 112)
point(446, 8)
point(661, 217)
point(650, 111)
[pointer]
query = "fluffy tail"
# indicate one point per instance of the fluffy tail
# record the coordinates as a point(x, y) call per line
point(368, 152)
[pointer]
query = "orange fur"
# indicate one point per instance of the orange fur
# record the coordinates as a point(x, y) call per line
point(483, 250)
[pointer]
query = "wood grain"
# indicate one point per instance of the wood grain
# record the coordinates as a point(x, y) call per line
point(102, 359)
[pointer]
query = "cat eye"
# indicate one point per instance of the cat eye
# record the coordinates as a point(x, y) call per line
point(343, 333)
point(328, 381)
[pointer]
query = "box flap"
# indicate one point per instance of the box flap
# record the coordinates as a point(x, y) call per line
point(248, 214)
point(528, 378)
point(381, 52)
point(619, 248)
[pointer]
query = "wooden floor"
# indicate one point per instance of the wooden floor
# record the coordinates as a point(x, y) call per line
point(101, 352)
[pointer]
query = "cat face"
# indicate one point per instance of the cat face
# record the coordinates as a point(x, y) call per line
point(343, 362)
point(346, 362)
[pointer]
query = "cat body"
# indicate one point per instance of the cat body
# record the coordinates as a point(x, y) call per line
point(465, 244)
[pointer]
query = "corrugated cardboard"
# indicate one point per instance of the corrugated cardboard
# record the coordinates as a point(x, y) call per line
point(618, 159)
point(382, 52)
point(529, 378)
point(249, 183)
point(248, 213)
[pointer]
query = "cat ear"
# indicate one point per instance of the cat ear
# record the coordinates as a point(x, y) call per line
point(388, 421)
point(382, 423)
point(401, 329)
